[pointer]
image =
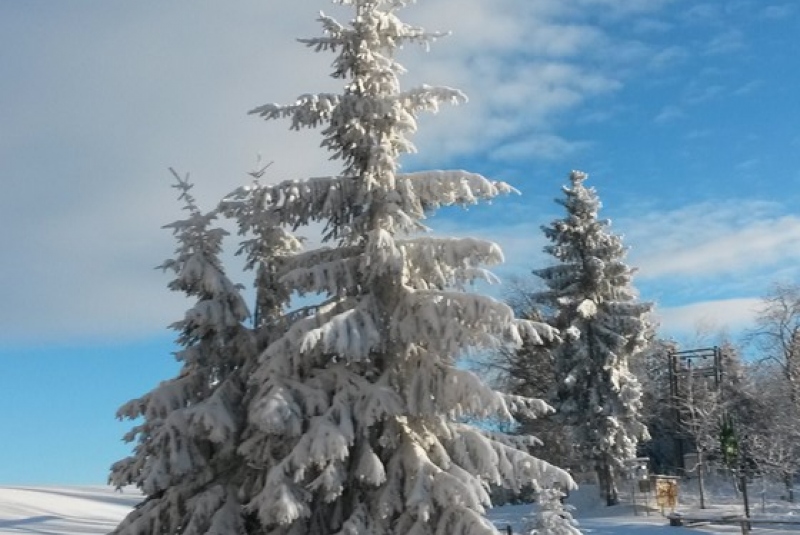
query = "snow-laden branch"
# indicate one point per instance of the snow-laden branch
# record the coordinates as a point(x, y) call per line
point(393, 32)
point(338, 199)
point(296, 203)
point(428, 190)
point(309, 111)
point(345, 329)
point(427, 98)
point(501, 464)
point(448, 322)
point(438, 263)
point(336, 277)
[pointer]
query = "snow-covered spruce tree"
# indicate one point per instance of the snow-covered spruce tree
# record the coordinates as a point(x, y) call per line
point(529, 371)
point(552, 517)
point(185, 460)
point(266, 247)
point(363, 399)
point(590, 289)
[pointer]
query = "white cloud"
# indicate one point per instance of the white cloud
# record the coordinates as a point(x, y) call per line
point(778, 11)
point(709, 262)
point(727, 42)
point(690, 258)
point(747, 165)
point(702, 13)
point(698, 94)
point(669, 114)
point(522, 64)
point(625, 7)
point(731, 315)
point(748, 88)
point(98, 101)
point(650, 26)
point(539, 146)
point(708, 239)
point(99, 108)
point(698, 134)
point(669, 56)
point(741, 250)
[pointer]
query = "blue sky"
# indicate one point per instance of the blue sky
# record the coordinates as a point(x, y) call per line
point(683, 113)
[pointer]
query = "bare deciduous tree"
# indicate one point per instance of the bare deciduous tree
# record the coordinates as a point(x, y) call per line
point(702, 409)
point(777, 333)
point(770, 425)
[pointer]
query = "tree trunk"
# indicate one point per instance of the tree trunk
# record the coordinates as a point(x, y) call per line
point(700, 480)
point(605, 480)
point(788, 480)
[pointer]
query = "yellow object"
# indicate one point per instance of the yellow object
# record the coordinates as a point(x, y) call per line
point(666, 493)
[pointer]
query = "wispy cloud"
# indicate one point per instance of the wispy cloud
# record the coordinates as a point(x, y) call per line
point(702, 13)
point(778, 11)
point(727, 42)
point(668, 57)
point(697, 94)
point(510, 94)
point(104, 100)
point(747, 165)
point(725, 314)
point(651, 25)
point(709, 239)
point(698, 134)
point(704, 264)
point(99, 114)
point(748, 88)
point(692, 258)
point(669, 114)
point(625, 7)
point(539, 146)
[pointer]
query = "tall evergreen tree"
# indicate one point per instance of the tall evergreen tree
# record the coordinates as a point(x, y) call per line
point(589, 289)
point(347, 417)
point(529, 370)
point(361, 405)
point(553, 517)
point(185, 460)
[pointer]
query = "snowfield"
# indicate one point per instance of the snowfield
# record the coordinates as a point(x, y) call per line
point(63, 510)
point(40, 510)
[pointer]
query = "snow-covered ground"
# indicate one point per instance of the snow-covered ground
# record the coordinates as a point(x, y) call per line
point(94, 510)
point(595, 518)
point(722, 499)
point(63, 510)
